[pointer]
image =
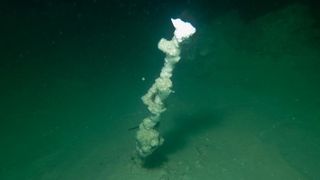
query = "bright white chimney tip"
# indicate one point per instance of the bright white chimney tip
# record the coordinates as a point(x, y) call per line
point(183, 30)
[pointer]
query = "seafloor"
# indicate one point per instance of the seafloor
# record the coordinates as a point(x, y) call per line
point(246, 104)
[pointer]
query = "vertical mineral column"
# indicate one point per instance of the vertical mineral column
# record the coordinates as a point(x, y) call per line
point(148, 138)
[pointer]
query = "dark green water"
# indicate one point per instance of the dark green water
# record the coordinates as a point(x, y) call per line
point(246, 102)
